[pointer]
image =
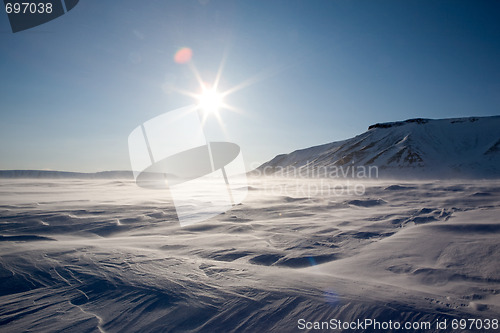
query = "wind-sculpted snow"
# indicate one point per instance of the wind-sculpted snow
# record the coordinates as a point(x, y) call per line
point(107, 256)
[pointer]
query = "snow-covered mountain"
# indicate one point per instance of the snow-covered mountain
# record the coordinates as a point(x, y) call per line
point(49, 174)
point(458, 147)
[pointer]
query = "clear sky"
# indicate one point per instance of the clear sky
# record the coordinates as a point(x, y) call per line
point(73, 89)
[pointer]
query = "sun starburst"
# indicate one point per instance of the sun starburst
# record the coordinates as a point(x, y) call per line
point(210, 101)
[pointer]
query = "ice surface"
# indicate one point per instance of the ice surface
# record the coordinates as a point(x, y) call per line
point(107, 256)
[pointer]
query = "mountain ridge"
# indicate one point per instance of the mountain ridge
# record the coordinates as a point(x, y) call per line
point(415, 148)
point(53, 174)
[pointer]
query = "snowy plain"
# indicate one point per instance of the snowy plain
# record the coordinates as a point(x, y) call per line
point(107, 256)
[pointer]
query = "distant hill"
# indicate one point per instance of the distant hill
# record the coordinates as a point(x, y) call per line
point(64, 174)
point(415, 148)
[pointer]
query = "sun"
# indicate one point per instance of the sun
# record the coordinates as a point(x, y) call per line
point(209, 101)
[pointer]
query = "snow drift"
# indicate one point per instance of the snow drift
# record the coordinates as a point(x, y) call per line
point(107, 256)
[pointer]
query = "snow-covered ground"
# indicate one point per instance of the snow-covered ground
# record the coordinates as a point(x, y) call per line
point(108, 256)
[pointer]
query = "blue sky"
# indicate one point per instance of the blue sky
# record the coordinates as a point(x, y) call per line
point(73, 89)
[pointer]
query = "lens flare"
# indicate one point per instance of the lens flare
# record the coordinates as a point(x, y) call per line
point(183, 56)
point(332, 298)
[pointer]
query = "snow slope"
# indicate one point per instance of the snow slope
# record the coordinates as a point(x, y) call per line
point(415, 148)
